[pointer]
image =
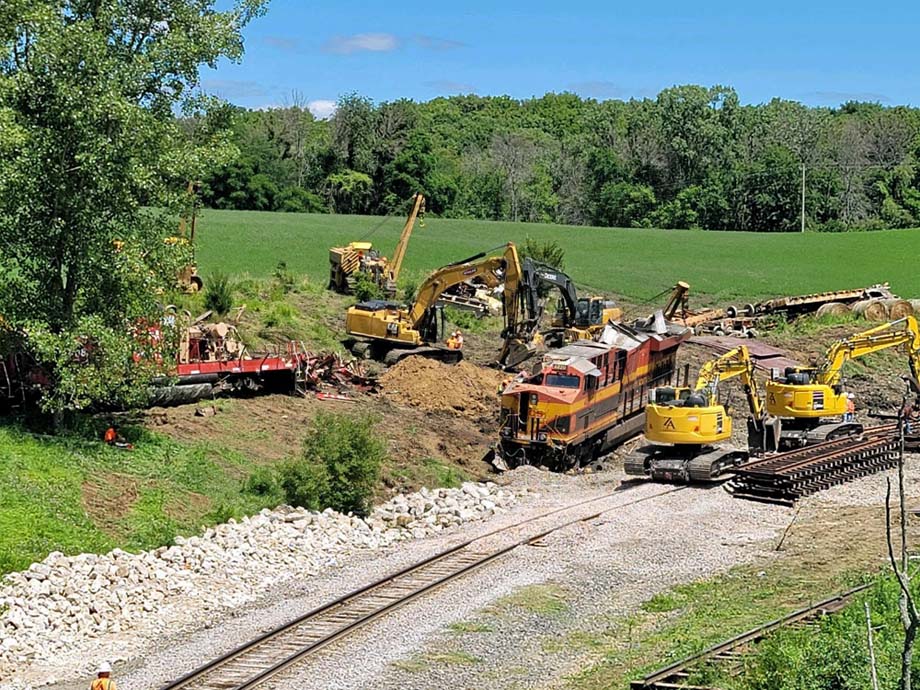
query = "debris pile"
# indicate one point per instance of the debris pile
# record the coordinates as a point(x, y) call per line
point(50, 608)
point(433, 386)
point(324, 369)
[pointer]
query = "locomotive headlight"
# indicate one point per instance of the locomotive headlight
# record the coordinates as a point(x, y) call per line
point(542, 436)
point(534, 398)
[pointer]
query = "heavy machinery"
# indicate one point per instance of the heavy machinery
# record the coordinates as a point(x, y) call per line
point(388, 331)
point(685, 426)
point(587, 397)
point(577, 318)
point(188, 279)
point(361, 257)
point(809, 402)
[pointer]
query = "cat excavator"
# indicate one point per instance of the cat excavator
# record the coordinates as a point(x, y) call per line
point(685, 426)
point(809, 402)
point(389, 332)
point(361, 257)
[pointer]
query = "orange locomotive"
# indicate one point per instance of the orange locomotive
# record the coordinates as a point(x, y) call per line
point(587, 397)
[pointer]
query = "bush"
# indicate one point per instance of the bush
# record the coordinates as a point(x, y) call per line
point(262, 482)
point(365, 288)
point(284, 277)
point(548, 252)
point(218, 296)
point(339, 466)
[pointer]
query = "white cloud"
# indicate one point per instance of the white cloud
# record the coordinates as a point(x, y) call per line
point(321, 109)
point(358, 43)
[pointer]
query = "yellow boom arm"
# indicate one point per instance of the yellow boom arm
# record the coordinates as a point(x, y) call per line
point(418, 208)
point(901, 332)
point(736, 362)
point(493, 271)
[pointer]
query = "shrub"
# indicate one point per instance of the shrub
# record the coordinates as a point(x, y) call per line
point(262, 482)
point(218, 296)
point(365, 288)
point(548, 252)
point(339, 465)
point(284, 277)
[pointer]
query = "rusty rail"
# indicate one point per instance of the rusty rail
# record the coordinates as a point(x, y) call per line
point(785, 477)
point(731, 652)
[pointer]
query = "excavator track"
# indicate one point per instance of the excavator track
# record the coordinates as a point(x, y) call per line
point(439, 353)
point(710, 465)
point(713, 466)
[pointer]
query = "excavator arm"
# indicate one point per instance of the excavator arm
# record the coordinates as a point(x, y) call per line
point(395, 265)
point(492, 270)
point(736, 362)
point(894, 334)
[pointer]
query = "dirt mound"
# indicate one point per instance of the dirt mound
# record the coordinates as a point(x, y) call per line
point(437, 387)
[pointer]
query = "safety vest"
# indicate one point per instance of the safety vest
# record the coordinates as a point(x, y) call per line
point(109, 437)
point(103, 684)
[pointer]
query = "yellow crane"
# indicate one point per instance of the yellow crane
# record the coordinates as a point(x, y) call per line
point(388, 331)
point(683, 425)
point(361, 257)
point(809, 402)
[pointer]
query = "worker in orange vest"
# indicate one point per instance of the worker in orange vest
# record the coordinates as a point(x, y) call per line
point(459, 336)
point(103, 678)
point(850, 416)
point(116, 440)
point(452, 342)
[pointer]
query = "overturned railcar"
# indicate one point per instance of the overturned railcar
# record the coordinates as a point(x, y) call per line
point(586, 397)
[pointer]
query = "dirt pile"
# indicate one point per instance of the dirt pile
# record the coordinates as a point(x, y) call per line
point(433, 386)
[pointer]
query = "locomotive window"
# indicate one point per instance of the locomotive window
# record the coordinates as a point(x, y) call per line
point(561, 381)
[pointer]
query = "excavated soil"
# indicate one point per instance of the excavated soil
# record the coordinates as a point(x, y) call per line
point(433, 386)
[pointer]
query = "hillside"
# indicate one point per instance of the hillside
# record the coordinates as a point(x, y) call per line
point(633, 263)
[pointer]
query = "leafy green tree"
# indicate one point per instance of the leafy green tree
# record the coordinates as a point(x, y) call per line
point(625, 205)
point(349, 191)
point(88, 91)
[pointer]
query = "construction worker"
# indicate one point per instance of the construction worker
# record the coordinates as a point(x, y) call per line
point(103, 678)
point(850, 415)
point(459, 335)
point(116, 440)
point(452, 341)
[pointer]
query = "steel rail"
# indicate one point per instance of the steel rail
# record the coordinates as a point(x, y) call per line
point(677, 674)
point(269, 654)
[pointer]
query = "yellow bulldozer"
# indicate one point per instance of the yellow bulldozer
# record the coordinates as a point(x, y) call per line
point(361, 257)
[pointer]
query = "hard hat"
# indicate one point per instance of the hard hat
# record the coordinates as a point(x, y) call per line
point(104, 667)
point(850, 396)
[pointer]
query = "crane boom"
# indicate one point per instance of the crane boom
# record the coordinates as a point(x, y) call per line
point(395, 265)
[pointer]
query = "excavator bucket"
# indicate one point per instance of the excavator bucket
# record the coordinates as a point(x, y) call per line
point(519, 352)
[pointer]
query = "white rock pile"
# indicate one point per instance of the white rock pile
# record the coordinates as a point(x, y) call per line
point(64, 600)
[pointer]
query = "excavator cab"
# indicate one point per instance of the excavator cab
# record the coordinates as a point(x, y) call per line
point(682, 416)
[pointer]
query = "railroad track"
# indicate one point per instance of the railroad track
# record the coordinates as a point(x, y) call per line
point(785, 477)
point(259, 660)
point(729, 655)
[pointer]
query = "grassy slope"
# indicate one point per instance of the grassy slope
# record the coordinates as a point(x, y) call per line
point(634, 263)
point(74, 494)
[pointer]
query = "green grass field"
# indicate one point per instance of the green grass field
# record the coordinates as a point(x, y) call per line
point(636, 264)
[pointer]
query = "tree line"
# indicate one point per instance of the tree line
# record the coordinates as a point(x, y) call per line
point(693, 157)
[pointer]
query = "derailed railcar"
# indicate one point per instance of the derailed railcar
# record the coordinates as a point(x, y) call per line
point(586, 397)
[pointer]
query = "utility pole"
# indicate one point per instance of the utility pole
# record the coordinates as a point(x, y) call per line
point(803, 197)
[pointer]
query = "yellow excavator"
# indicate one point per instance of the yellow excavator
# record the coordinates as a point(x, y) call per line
point(361, 257)
point(389, 332)
point(684, 425)
point(809, 402)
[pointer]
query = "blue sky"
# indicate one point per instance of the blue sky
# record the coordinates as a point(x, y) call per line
point(820, 53)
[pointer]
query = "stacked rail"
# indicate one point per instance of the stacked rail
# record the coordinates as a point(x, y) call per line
point(729, 655)
point(785, 477)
